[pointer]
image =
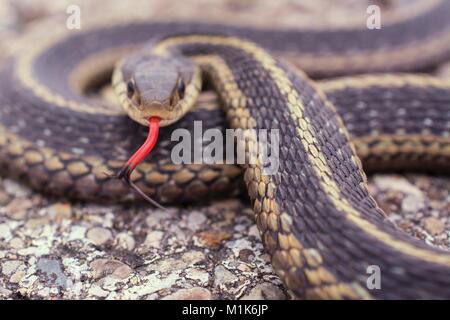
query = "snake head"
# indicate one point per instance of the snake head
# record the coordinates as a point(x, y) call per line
point(155, 87)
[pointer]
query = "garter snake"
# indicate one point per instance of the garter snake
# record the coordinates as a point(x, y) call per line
point(316, 218)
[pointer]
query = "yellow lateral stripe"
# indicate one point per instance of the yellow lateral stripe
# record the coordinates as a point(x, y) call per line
point(387, 80)
point(25, 75)
point(390, 144)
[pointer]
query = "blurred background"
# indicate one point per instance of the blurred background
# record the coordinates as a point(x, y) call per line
point(17, 16)
point(284, 13)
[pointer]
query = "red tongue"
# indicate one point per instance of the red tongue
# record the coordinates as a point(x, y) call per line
point(139, 155)
point(144, 150)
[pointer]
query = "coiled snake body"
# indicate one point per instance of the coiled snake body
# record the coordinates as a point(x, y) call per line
point(315, 215)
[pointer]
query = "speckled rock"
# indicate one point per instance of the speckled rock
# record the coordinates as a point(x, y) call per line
point(265, 291)
point(190, 294)
point(178, 262)
point(5, 293)
point(5, 232)
point(105, 267)
point(11, 266)
point(51, 271)
point(60, 211)
point(154, 238)
point(96, 291)
point(18, 207)
point(198, 275)
point(212, 238)
point(99, 236)
point(125, 241)
point(222, 276)
point(434, 226)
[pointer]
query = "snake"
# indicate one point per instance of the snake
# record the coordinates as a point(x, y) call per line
point(317, 220)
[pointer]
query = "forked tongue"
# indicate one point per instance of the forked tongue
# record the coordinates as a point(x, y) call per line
point(138, 156)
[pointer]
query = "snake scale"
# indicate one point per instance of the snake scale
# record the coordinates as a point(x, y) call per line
point(315, 215)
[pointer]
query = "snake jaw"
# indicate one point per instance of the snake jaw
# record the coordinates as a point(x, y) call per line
point(125, 173)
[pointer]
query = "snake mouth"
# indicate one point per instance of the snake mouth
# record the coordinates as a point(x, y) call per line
point(125, 172)
point(142, 113)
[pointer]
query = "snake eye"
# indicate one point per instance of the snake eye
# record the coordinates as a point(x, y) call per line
point(130, 89)
point(181, 88)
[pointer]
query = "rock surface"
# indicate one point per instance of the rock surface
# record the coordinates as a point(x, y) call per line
point(87, 251)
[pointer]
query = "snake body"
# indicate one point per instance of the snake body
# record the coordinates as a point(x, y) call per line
point(315, 215)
